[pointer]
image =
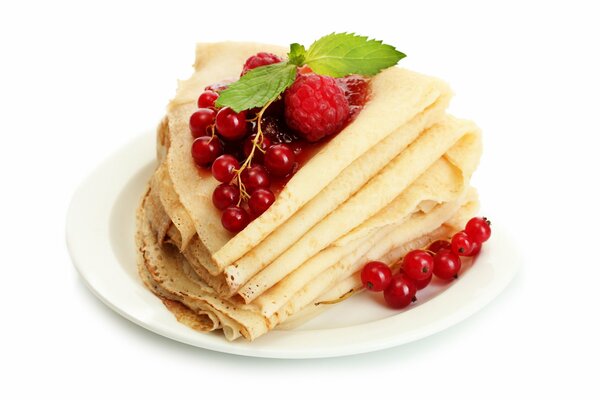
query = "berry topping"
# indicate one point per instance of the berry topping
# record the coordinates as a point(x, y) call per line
point(200, 121)
point(446, 265)
point(400, 292)
point(462, 244)
point(224, 167)
point(438, 245)
point(260, 59)
point(207, 99)
point(376, 276)
point(231, 125)
point(260, 201)
point(205, 150)
point(279, 159)
point(315, 106)
point(478, 229)
point(225, 195)
point(255, 177)
point(235, 219)
point(418, 265)
point(258, 130)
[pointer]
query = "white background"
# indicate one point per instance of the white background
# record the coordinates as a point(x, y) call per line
point(79, 80)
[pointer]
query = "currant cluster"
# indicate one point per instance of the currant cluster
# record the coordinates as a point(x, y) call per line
point(240, 156)
point(441, 258)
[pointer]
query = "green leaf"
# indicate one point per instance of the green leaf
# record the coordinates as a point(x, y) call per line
point(341, 54)
point(297, 54)
point(257, 87)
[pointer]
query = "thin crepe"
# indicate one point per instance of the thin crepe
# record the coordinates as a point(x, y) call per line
point(398, 96)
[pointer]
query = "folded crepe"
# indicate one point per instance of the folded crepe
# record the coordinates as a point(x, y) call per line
point(394, 179)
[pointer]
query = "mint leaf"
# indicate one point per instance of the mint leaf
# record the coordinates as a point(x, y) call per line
point(257, 87)
point(341, 54)
point(297, 54)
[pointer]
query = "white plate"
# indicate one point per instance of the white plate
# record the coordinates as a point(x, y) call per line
point(100, 237)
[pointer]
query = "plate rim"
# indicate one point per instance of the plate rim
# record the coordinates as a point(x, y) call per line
point(137, 155)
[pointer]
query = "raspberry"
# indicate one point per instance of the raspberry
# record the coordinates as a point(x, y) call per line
point(315, 106)
point(258, 60)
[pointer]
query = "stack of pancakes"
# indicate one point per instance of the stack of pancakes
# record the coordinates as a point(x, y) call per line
point(393, 180)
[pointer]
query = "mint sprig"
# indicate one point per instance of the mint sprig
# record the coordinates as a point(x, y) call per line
point(336, 55)
point(258, 86)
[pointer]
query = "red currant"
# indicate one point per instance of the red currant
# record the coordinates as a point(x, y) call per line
point(200, 121)
point(423, 283)
point(207, 99)
point(475, 250)
point(376, 276)
point(418, 265)
point(439, 245)
point(260, 201)
point(205, 150)
point(462, 244)
point(255, 177)
point(446, 265)
point(225, 195)
point(478, 229)
point(279, 159)
point(235, 219)
point(231, 125)
point(258, 155)
point(223, 168)
point(400, 292)
point(419, 284)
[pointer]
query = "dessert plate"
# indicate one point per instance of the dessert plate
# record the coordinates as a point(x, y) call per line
point(100, 238)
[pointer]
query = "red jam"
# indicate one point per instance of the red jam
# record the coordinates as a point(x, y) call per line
point(356, 89)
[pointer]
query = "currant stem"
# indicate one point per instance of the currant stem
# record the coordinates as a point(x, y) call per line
point(334, 301)
point(256, 143)
point(243, 194)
